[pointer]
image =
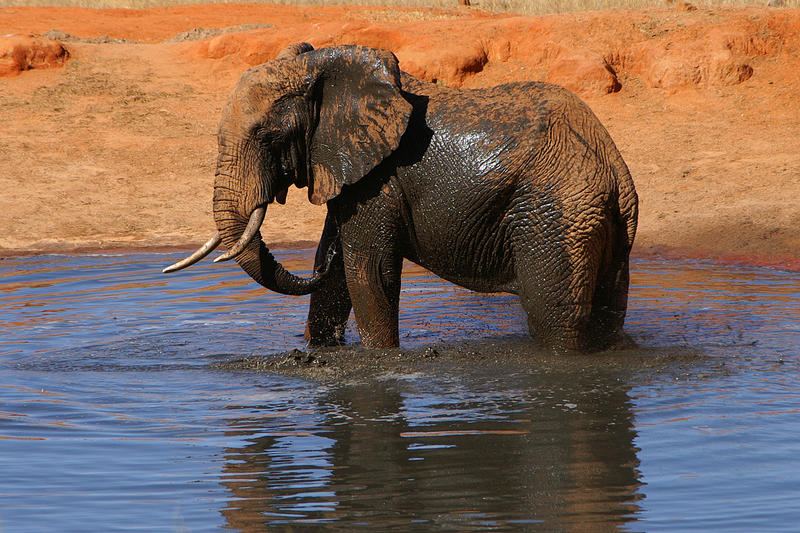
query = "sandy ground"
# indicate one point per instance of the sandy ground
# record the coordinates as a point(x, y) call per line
point(114, 146)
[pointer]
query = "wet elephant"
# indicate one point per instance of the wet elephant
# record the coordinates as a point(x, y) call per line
point(516, 188)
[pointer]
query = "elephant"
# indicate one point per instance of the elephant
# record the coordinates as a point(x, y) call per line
point(517, 188)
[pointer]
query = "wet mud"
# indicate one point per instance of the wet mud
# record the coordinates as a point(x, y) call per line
point(354, 363)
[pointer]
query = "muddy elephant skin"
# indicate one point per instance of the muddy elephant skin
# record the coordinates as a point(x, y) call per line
point(516, 188)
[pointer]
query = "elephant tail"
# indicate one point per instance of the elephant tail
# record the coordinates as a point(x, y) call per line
point(620, 186)
point(627, 199)
point(610, 299)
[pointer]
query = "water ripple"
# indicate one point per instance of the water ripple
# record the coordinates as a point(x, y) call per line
point(112, 414)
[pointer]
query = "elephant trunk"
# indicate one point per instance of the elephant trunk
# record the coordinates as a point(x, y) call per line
point(232, 207)
point(261, 265)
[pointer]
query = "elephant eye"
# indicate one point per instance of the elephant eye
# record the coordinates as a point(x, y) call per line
point(264, 135)
point(287, 170)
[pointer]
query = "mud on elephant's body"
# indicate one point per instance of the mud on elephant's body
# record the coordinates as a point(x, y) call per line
point(516, 188)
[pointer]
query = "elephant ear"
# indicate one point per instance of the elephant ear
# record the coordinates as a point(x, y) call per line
point(360, 116)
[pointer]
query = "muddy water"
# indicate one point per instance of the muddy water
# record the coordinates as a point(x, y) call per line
point(122, 407)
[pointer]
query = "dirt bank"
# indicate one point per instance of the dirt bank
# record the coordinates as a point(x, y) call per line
point(108, 123)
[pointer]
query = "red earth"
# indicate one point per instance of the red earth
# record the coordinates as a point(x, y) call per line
point(109, 116)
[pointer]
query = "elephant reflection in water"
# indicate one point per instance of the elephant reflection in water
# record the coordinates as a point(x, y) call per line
point(394, 457)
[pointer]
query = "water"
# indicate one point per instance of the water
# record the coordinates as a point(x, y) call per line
point(115, 414)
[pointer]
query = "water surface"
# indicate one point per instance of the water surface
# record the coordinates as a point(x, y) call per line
point(115, 413)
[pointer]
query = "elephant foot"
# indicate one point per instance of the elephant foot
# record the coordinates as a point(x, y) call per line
point(334, 337)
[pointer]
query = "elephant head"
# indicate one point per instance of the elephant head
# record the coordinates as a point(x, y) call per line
point(320, 119)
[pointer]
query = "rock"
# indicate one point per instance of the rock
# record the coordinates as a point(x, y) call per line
point(430, 352)
point(197, 34)
point(584, 73)
point(20, 52)
point(449, 66)
point(297, 358)
point(65, 37)
point(690, 65)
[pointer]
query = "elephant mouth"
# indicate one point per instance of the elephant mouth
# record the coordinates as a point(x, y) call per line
point(250, 231)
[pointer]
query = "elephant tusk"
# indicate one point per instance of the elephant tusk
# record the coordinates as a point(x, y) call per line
point(203, 251)
point(253, 225)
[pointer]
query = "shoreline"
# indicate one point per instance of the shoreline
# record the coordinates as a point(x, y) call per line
point(787, 263)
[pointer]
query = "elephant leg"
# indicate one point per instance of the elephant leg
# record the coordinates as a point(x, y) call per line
point(373, 279)
point(556, 286)
point(373, 260)
point(330, 305)
point(610, 300)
